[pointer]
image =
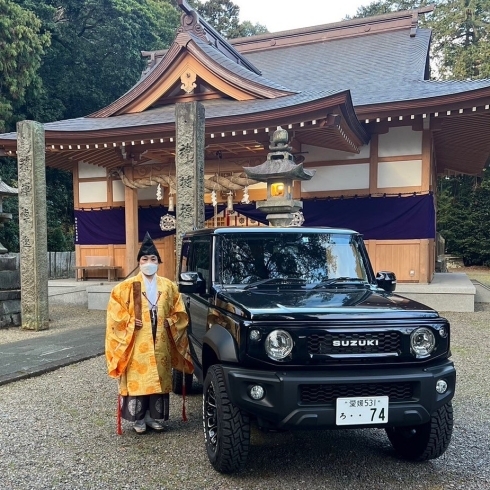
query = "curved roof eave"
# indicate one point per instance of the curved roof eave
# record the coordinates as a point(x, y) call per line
point(432, 103)
point(221, 115)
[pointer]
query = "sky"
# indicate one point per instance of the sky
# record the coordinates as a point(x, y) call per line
point(281, 15)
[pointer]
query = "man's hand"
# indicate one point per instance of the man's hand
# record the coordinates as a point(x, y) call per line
point(138, 323)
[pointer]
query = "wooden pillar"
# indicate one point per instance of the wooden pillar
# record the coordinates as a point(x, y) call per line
point(427, 252)
point(373, 164)
point(425, 275)
point(426, 159)
point(131, 222)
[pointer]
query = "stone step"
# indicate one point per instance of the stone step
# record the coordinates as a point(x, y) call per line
point(482, 292)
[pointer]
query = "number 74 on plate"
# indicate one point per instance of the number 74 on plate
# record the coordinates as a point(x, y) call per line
point(362, 410)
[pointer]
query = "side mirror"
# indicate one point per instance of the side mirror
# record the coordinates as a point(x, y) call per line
point(386, 280)
point(191, 283)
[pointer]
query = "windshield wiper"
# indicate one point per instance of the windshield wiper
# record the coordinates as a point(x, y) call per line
point(276, 281)
point(334, 280)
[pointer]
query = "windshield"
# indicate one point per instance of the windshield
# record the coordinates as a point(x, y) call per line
point(312, 257)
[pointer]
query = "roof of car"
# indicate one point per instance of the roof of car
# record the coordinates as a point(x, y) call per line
point(261, 229)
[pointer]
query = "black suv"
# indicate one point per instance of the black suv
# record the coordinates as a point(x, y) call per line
point(291, 328)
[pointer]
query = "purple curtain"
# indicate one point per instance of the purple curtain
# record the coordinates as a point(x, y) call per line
point(104, 226)
point(379, 218)
point(100, 227)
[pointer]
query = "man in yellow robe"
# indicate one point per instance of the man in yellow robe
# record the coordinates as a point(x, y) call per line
point(146, 336)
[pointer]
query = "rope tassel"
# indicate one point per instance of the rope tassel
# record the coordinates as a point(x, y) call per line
point(118, 423)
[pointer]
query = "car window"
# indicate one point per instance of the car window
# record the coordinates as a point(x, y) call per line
point(315, 257)
point(199, 260)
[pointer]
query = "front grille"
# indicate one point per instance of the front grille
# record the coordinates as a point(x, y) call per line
point(327, 394)
point(367, 343)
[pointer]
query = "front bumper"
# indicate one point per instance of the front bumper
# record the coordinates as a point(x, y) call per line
point(283, 407)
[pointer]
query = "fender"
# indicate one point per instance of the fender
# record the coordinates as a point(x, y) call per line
point(221, 343)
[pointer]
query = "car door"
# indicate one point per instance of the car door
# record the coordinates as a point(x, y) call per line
point(199, 260)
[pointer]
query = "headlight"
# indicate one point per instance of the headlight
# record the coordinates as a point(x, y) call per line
point(422, 342)
point(278, 344)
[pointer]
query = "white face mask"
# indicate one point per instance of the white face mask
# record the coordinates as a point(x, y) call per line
point(148, 269)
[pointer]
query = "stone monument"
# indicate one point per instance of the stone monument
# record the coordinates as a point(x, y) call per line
point(32, 225)
point(189, 165)
point(9, 273)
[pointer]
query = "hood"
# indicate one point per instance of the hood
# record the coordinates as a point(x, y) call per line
point(318, 304)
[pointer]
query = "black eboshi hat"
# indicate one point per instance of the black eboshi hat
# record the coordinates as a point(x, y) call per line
point(148, 248)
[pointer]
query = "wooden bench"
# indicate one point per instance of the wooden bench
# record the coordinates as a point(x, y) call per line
point(112, 271)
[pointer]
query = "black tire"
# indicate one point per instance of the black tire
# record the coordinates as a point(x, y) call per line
point(226, 427)
point(427, 441)
point(177, 382)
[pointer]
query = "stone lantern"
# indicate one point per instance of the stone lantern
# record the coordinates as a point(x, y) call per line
point(279, 171)
point(5, 191)
point(10, 307)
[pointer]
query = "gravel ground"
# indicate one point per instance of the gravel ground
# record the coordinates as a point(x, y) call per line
point(78, 317)
point(57, 431)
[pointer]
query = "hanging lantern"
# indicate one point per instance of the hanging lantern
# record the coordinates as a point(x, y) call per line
point(171, 207)
point(214, 200)
point(229, 202)
point(159, 192)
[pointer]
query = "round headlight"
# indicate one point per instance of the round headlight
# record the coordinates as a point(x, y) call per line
point(256, 392)
point(441, 386)
point(422, 342)
point(278, 344)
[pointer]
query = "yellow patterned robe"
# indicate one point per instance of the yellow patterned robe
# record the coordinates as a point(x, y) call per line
point(144, 368)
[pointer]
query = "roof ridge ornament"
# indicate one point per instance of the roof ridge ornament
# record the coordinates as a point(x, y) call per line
point(189, 22)
point(415, 18)
point(192, 22)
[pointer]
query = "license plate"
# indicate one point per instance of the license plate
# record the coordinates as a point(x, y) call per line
point(362, 410)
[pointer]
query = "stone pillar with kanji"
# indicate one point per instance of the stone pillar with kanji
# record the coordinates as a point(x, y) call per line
point(32, 225)
point(189, 164)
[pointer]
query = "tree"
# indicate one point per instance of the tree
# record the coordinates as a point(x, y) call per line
point(453, 202)
point(460, 30)
point(59, 208)
point(463, 215)
point(21, 48)
point(462, 38)
point(247, 29)
point(381, 7)
point(223, 15)
point(95, 55)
